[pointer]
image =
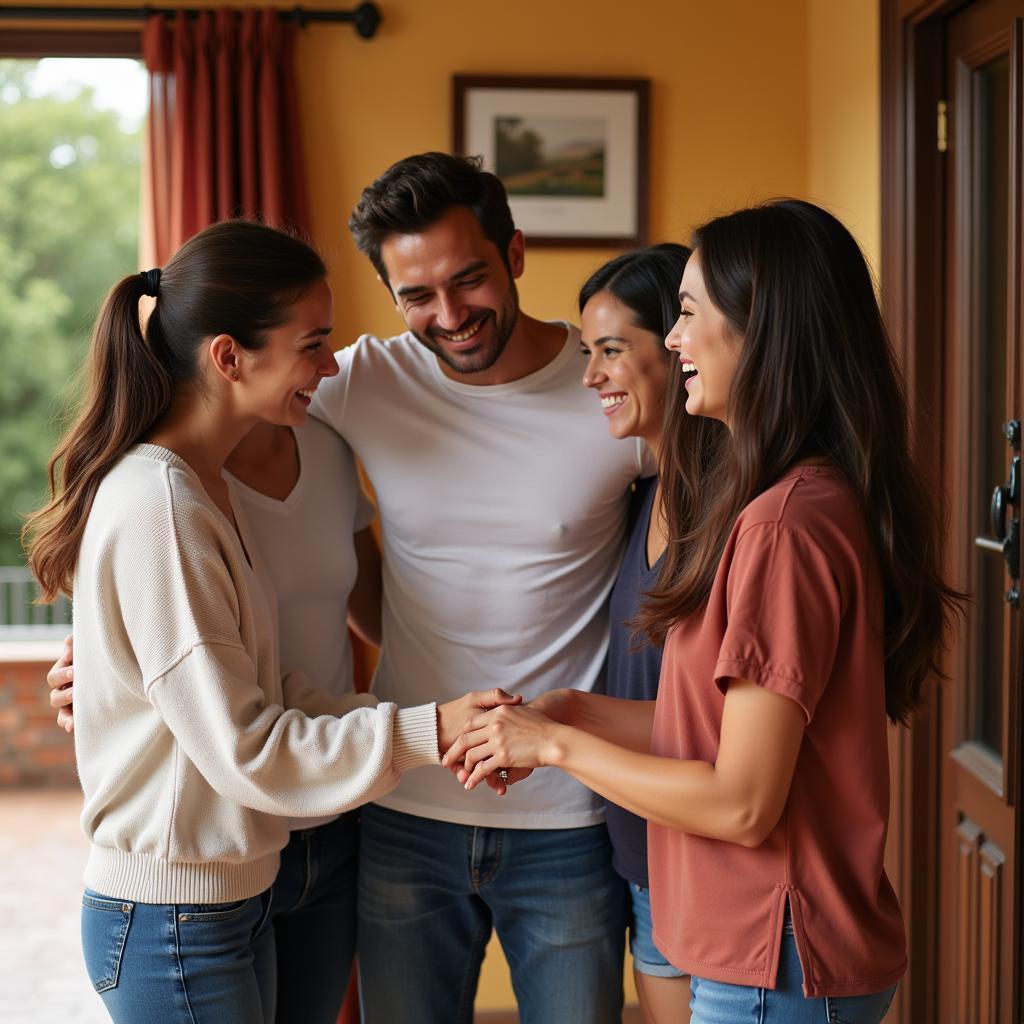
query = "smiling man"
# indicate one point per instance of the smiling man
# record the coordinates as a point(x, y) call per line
point(464, 312)
point(503, 505)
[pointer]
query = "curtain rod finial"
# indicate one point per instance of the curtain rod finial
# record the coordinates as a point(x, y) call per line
point(367, 19)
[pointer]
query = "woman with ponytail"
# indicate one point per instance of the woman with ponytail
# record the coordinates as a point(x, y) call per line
point(193, 752)
point(799, 604)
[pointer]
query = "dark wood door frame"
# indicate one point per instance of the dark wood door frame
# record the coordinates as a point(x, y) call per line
point(914, 229)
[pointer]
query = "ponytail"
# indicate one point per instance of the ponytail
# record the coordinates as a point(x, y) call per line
point(236, 277)
point(129, 388)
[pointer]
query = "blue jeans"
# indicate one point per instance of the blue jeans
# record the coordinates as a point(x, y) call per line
point(314, 916)
point(713, 1002)
point(430, 891)
point(169, 963)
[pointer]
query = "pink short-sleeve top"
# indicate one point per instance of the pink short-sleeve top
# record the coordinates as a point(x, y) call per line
point(796, 607)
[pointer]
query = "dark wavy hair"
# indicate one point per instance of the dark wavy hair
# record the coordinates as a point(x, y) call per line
point(816, 377)
point(417, 191)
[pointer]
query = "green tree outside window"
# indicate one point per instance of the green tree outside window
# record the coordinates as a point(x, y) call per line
point(69, 212)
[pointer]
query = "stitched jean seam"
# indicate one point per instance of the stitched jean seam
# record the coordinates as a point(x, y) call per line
point(833, 1008)
point(307, 843)
point(125, 909)
point(209, 916)
point(265, 916)
point(469, 980)
point(180, 967)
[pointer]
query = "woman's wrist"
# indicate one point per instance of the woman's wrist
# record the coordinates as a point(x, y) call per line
point(556, 704)
point(557, 745)
point(444, 727)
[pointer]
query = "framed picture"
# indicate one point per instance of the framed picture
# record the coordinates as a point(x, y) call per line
point(571, 152)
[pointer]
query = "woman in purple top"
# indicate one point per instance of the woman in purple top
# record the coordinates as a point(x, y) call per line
point(628, 306)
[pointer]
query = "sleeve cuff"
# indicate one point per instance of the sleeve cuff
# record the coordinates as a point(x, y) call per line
point(737, 668)
point(415, 737)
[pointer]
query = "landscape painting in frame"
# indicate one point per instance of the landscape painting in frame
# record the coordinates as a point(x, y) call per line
point(571, 153)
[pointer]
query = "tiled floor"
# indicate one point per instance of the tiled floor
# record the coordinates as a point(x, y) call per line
point(42, 853)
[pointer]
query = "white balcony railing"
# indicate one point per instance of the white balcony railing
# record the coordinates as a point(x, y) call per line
point(20, 617)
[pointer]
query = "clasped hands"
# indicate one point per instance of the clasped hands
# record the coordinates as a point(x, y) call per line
point(481, 733)
point(502, 734)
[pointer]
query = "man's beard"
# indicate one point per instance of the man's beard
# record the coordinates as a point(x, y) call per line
point(487, 353)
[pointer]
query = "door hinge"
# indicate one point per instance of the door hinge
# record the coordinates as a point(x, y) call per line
point(941, 128)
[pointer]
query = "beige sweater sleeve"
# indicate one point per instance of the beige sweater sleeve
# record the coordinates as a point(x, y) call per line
point(414, 729)
point(282, 761)
point(195, 627)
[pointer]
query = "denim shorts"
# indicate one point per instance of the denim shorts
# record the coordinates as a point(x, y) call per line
point(647, 958)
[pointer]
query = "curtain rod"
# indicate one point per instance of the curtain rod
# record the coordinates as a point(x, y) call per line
point(366, 17)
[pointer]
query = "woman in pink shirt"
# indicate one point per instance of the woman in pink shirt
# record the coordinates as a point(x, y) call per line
point(800, 604)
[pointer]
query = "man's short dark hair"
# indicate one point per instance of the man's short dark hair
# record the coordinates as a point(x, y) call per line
point(417, 191)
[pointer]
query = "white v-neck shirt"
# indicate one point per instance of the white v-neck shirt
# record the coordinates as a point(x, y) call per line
point(305, 544)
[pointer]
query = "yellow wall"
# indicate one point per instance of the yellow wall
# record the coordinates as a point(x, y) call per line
point(729, 111)
point(843, 131)
point(749, 100)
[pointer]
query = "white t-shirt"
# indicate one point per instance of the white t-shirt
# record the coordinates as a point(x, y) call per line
point(305, 544)
point(503, 512)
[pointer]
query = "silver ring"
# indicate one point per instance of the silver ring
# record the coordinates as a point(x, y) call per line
point(503, 774)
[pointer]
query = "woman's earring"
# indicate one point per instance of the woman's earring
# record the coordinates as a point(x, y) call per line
point(234, 375)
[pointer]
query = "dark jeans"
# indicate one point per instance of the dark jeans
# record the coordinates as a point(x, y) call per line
point(430, 892)
point(314, 917)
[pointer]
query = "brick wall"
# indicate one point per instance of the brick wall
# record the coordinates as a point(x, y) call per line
point(34, 752)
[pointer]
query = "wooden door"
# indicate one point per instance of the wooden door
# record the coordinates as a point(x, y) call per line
point(979, 774)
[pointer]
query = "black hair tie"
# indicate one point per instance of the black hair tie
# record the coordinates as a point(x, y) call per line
point(152, 281)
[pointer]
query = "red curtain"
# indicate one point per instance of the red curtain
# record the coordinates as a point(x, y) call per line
point(223, 126)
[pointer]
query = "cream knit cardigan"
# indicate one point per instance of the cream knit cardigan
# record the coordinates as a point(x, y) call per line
point(192, 751)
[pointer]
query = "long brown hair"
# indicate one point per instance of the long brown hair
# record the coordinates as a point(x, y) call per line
point(238, 278)
point(816, 377)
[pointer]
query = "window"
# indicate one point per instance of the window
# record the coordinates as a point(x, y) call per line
point(70, 161)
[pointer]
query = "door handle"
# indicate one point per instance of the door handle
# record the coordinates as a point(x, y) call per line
point(988, 544)
point(1007, 534)
point(1009, 548)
